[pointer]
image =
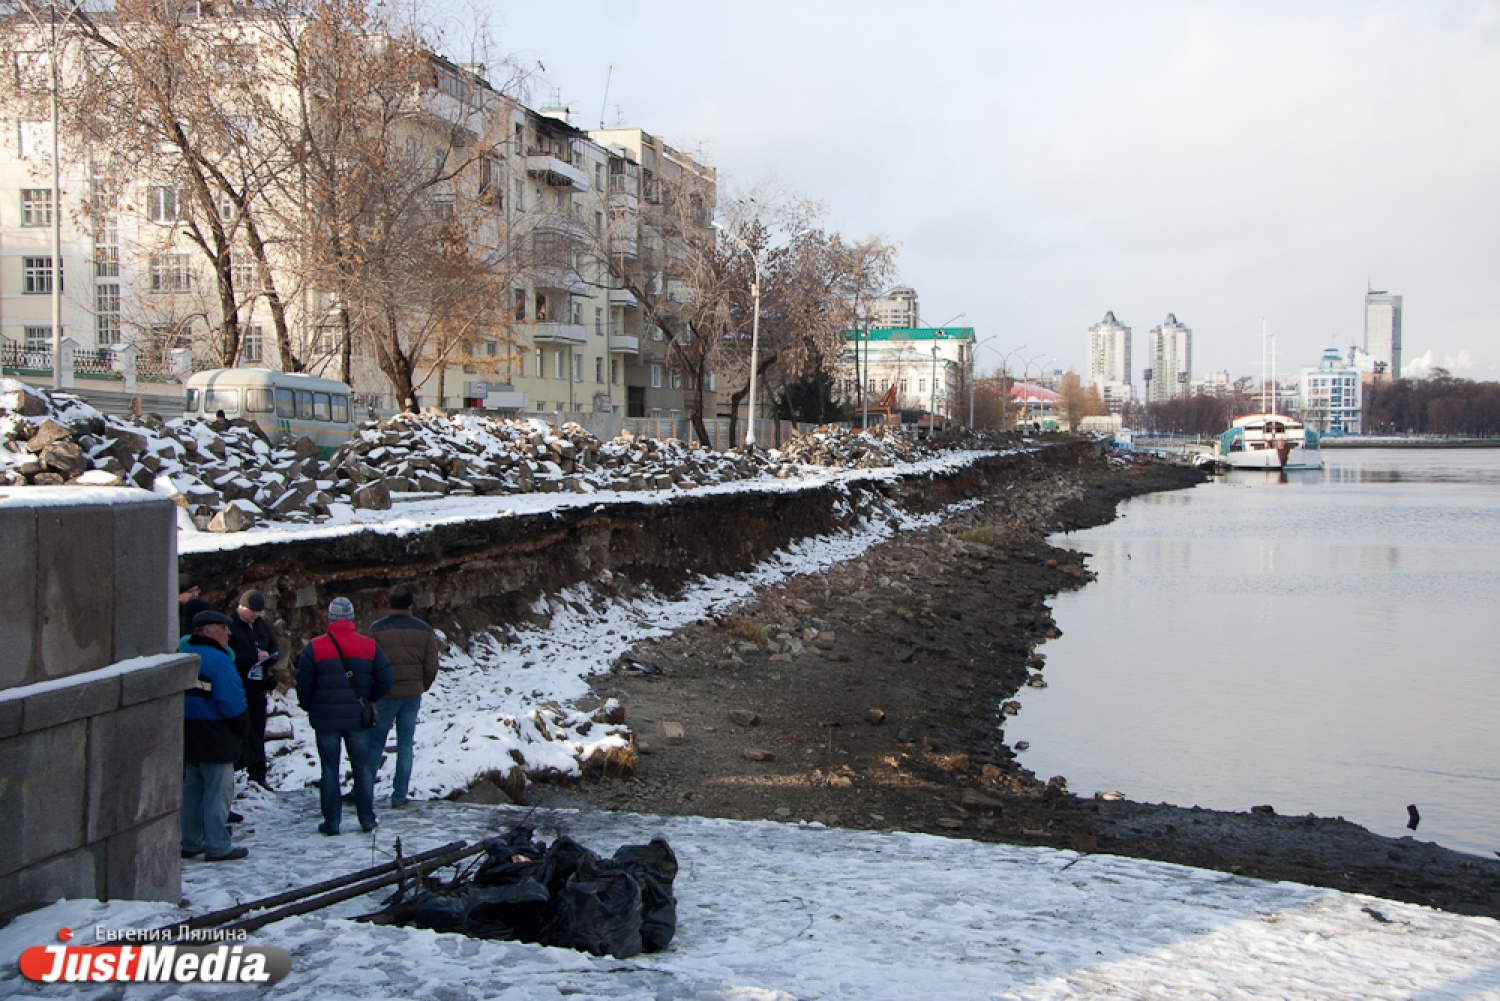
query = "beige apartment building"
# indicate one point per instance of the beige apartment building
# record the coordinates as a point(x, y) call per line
point(140, 300)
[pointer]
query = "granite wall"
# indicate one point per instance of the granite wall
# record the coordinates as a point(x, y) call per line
point(90, 696)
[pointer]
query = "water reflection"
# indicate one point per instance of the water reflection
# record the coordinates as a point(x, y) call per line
point(1322, 644)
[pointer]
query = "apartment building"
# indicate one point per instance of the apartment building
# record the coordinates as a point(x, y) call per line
point(1109, 361)
point(897, 310)
point(1383, 331)
point(528, 194)
point(646, 226)
point(1169, 348)
point(1330, 395)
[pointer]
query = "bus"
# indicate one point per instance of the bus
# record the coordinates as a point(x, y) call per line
point(283, 404)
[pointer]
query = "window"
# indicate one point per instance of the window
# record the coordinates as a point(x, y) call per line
point(598, 368)
point(578, 368)
point(304, 404)
point(322, 407)
point(107, 250)
point(614, 371)
point(252, 347)
point(520, 195)
point(442, 207)
point(36, 206)
point(243, 277)
point(577, 313)
point(226, 208)
point(106, 315)
point(541, 405)
point(520, 304)
point(675, 380)
point(36, 275)
point(36, 140)
point(491, 349)
point(903, 387)
point(921, 385)
point(541, 365)
point(37, 339)
point(598, 319)
point(708, 383)
point(656, 333)
point(259, 401)
point(655, 376)
point(341, 410)
point(559, 369)
point(32, 74)
point(599, 175)
point(170, 273)
point(161, 204)
point(598, 223)
point(286, 407)
point(227, 400)
point(541, 307)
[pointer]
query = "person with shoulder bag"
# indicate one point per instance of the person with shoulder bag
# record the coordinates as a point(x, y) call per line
point(341, 675)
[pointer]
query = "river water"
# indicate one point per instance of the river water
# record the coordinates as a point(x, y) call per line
point(1325, 641)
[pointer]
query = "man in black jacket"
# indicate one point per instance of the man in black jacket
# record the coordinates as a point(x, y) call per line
point(253, 644)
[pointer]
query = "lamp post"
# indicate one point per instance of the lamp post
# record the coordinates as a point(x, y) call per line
point(937, 332)
point(53, 45)
point(754, 316)
point(1004, 392)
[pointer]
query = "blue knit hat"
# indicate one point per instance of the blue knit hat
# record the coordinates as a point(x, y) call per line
point(341, 610)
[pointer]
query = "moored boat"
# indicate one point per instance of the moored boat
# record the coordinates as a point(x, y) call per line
point(1269, 441)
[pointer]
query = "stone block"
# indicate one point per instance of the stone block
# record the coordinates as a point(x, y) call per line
point(43, 786)
point(75, 558)
point(145, 863)
point(163, 681)
point(10, 717)
point(74, 876)
point(673, 733)
point(18, 612)
point(69, 703)
point(134, 766)
point(145, 573)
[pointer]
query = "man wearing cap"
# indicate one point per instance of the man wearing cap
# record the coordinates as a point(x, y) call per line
point(255, 654)
point(213, 732)
point(334, 672)
point(412, 648)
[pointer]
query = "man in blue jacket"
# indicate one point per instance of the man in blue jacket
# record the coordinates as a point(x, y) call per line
point(213, 731)
point(335, 671)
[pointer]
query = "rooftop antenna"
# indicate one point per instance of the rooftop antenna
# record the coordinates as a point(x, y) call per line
point(604, 105)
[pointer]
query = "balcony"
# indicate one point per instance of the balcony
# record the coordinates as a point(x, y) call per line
point(628, 344)
point(622, 297)
point(555, 172)
point(567, 334)
point(557, 222)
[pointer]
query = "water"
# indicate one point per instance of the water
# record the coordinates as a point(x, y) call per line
point(1327, 642)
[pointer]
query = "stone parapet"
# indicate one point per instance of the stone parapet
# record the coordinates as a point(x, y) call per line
point(90, 696)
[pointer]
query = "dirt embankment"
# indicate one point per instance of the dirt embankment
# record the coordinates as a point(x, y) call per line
point(874, 695)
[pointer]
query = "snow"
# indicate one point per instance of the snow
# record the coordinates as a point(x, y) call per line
point(115, 670)
point(781, 911)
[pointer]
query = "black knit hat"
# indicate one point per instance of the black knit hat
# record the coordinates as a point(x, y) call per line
point(400, 597)
point(253, 600)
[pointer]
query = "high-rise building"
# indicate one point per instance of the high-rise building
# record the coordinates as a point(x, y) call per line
point(1330, 395)
point(1109, 361)
point(897, 311)
point(1169, 350)
point(1383, 330)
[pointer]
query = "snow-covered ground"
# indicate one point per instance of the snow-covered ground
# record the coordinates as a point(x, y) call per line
point(780, 911)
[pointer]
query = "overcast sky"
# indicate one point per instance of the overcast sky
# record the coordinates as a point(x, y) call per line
point(1041, 163)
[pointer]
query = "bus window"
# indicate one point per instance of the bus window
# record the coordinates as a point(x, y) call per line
point(341, 410)
point(191, 404)
point(285, 408)
point(304, 405)
point(227, 400)
point(320, 407)
point(258, 401)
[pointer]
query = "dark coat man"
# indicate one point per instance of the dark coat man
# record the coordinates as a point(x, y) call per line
point(256, 651)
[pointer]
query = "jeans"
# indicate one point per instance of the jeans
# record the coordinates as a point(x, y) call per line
point(357, 743)
point(403, 713)
point(206, 792)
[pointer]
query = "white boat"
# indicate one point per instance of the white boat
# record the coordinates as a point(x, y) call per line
point(1269, 441)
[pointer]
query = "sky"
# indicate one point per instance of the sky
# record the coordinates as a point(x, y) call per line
point(1040, 164)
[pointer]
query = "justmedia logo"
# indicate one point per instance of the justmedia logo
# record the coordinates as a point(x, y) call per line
point(154, 962)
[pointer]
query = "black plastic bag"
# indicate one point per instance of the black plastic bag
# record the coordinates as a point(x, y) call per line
point(598, 911)
point(441, 913)
point(654, 867)
point(515, 911)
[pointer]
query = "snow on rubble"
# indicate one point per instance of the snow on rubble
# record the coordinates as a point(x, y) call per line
point(226, 478)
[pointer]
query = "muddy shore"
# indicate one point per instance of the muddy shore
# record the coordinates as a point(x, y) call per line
point(875, 695)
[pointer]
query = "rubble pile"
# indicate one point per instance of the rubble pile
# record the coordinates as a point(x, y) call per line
point(225, 476)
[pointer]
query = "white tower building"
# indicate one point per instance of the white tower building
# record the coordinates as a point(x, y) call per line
point(1109, 361)
point(1383, 330)
point(1169, 350)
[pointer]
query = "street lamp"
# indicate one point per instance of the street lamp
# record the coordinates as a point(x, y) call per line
point(755, 314)
point(938, 330)
point(973, 349)
point(49, 30)
point(1005, 393)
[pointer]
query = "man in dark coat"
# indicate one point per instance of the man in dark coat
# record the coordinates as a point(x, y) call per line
point(213, 731)
point(412, 648)
point(334, 672)
point(255, 650)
